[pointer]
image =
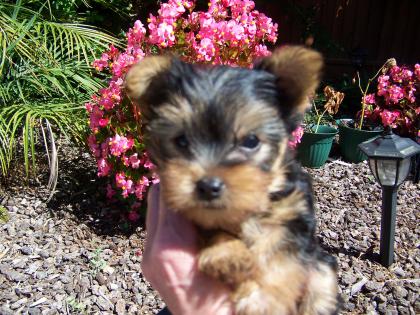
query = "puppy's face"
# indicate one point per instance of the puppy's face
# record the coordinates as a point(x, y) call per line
point(218, 135)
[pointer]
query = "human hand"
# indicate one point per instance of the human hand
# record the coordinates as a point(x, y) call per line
point(170, 264)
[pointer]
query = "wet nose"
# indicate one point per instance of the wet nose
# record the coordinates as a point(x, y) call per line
point(210, 188)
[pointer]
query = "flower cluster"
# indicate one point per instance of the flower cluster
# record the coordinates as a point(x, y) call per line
point(396, 102)
point(230, 32)
point(297, 135)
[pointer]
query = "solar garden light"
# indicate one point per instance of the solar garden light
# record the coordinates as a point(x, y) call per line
point(390, 162)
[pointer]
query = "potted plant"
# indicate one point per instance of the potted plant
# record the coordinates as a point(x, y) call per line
point(353, 132)
point(318, 136)
point(396, 103)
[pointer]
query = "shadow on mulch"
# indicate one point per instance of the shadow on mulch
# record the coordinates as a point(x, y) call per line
point(368, 254)
point(81, 194)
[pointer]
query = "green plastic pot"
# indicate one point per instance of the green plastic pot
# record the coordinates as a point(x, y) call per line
point(314, 148)
point(350, 138)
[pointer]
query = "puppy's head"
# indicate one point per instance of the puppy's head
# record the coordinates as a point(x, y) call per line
point(217, 134)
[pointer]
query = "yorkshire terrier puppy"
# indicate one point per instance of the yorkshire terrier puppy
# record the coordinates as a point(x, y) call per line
point(219, 136)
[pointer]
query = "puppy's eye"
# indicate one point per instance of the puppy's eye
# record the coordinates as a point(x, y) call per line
point(182, 141)
point(251, 141)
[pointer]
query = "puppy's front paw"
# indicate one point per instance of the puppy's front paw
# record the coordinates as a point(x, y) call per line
point(230, 262)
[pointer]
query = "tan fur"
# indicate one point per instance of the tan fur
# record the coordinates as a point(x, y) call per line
point(276, 290)
point(278, 169)
point(228, 259)
point(246, 193)
point(321, 291)
point(140, 75)
point(297, 70)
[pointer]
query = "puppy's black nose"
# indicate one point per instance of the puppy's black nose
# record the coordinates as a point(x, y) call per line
point(210, 188)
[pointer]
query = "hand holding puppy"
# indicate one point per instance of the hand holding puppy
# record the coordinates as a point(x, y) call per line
point(170, 264)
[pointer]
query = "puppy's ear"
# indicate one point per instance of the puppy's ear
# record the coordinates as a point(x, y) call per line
point(142, 78)
point(297, 70)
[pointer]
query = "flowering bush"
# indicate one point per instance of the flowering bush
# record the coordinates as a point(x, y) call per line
point(230, 32)
point(396, 102)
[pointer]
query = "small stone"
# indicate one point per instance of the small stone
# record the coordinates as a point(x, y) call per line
point(40, 275)
point(382, 308)
point(11, 274)
point(379, 275)
point(20, 292)
point(399, 292)
point(26, 250)
point(120, 307)
point(113, 286)
point(403, 310)
point(349, 306)
point(100, 278)
point(399, 272)
point(133, 309)
point(44, 254)
point(391, 311)
point(348, 278)
point(381, 298)
point(18, 303)
point(34, 311)
point(373, 286)
point(103, 304)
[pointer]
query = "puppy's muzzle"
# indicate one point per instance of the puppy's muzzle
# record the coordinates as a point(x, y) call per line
point(210, 188)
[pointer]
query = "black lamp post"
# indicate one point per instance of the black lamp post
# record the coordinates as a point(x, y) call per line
point(390, 161)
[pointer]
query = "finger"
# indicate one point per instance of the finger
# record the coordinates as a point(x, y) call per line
point(174, 230)
point(152, 215)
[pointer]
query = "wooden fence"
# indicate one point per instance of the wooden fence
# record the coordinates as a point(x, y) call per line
point(351, 33)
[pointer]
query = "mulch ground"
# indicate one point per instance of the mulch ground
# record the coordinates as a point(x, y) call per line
point(73, 255)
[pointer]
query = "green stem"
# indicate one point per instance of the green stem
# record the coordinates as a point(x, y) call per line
point(319, 120)
point(364, 92)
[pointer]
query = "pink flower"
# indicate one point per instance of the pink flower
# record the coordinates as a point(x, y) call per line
point(395, 94)
point(406, 74)
point(296, 137)
point(417, 71)
point(94, 146)
point(205, 50)
point(133, 216)
point(141, 187)
point(155, 179)
point(120, 144)
point(383, 82)
point(410, 94)
point(103, 122)
point(370, 99)
point(100, 64)
point(146, 162)
point(395, 72)
point(110, 192)
point(136, 34)
point(388, 117)
point(103, 167)
point(135, 161)
point(95, 116)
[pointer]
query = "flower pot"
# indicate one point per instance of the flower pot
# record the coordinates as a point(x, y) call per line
point(314, 148)
point(350, 138)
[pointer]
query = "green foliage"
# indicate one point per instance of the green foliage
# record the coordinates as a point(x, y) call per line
point(77, 307)
point(96, 262)
point(45, 76)
point(4, 215)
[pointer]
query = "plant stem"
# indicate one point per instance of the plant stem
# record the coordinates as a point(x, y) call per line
point(319, 120)
point(364, 92)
